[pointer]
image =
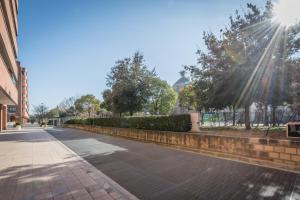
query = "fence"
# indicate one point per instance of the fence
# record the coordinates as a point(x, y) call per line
point(257, 118)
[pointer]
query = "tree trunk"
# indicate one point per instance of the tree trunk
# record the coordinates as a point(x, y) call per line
point(266, 117)
point(273, 116)
point(225, 118)
point(247, 117)
point(233, 117)
point(131, 113)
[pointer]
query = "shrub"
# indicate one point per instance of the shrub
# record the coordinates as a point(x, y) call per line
point(18, 124)
point(178, 123)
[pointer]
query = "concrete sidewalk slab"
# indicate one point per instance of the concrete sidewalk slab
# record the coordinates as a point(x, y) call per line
point(36, 166)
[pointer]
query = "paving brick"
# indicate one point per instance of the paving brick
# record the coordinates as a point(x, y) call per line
point(41, 168)
point(98, 193)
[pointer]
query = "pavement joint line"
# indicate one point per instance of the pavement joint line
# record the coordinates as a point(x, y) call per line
point(117, 187)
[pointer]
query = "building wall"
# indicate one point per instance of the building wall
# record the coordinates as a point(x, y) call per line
point(23, 97)
point(20, 112)
point(8, 56)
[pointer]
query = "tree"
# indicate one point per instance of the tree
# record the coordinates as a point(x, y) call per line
point(67, 107)
point(188, 98)
point(54, 113)
point(129, 83)
point(87, 104)
point(107, 100)
point(247, 63)
point(295, 65)
point(163, 97)
point(40, 112)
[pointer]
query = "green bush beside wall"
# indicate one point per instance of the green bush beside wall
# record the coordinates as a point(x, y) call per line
point(178, 123)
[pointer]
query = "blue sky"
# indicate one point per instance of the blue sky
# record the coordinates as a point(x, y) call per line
point(69, 46)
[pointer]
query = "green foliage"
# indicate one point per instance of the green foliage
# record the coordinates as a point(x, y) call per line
point(107, 100)
point(54, 113)
point(188, 98)
point(178, 123)
point(18, 124)
point(162, 99)
point(129, 83)
point(249, 62)
point(87, 104)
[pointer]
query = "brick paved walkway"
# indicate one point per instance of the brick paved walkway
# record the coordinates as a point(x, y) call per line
point(35, 166)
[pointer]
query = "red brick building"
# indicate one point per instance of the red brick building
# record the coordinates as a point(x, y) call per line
point(9, 72)
point(20, 112)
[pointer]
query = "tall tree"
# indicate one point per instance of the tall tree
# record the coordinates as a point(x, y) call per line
point(54, 113)
point(188, 98)
point(107, 100)
point(163, 97)
point(247, 63)
point(67, 107)
point(87, 104)
point(40, 112)
point(129, 82)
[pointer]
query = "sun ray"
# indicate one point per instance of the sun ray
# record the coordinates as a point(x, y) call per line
point(286, 12)
point(250, 81)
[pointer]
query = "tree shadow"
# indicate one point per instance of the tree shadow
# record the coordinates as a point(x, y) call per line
point(49, 180)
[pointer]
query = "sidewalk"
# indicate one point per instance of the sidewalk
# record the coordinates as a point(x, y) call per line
point(36, 166)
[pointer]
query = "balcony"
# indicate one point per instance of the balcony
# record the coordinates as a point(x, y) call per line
point(8, 89)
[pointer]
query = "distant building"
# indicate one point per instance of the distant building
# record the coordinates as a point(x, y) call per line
point(8, 53)
point(181, 83)
point(20, 112)
point(178, 86)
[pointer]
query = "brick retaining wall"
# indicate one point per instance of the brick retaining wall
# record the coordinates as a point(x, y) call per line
point(271, 152)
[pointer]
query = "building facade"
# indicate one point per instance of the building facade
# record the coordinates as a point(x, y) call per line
point(9, 72)
point(20, 113)
point(23, 96)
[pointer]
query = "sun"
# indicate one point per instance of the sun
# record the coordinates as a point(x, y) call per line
point(286, 12)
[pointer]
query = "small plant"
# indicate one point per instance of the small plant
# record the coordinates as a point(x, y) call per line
point(18, 124)
point(43, 124)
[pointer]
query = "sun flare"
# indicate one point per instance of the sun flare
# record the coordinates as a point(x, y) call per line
point(286, 12)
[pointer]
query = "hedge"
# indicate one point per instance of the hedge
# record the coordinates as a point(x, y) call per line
point(177, 123)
